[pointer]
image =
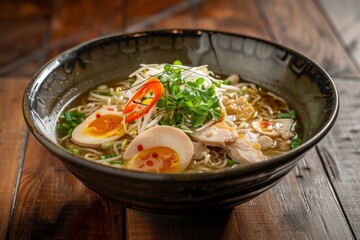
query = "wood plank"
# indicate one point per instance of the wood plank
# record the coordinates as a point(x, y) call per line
point(19, 58)
point(340, 151)
point(139, 10)
point(301, 206)
point(52, 203)
point(298, 24)
point(12, 41)
point(241, 17)
point(230, 16)
point(345, 16)
point(222, 227)
point(24, 10)
point(23, 27)
point(177, 15)
point(12, 137)
point(71, 24)
point(69, 28)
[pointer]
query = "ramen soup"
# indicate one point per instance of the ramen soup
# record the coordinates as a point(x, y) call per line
point(171, 118)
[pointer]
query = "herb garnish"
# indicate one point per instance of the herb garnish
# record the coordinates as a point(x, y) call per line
point(186, 101)
point(68, 121)
point(295, 143)
point(291, 114)
point(231, 162)
point(108, 156)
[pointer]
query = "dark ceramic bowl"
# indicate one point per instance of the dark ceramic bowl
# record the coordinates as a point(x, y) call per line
point(306, 86)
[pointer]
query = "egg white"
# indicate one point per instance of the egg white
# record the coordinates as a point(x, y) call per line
point(163, 136)
point(82, 137)
point(276, 127)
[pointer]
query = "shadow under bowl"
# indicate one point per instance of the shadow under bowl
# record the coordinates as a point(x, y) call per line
point(303, 83)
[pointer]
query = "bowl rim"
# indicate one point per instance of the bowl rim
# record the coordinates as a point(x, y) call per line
point(245, 170)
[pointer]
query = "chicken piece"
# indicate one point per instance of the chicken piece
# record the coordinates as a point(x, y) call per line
point(216, 135)
point(242, 151)
point(283, 146)
point(265, 142)
point(199, 150)
point(234, 79)
point(286, 131)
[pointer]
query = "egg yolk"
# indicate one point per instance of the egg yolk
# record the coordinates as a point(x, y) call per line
point(106, 126)
point(156, 159)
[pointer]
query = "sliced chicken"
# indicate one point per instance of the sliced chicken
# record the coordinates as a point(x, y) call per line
point(199, 150)
point(265, 142)
point(243, 151)
point(217, 135)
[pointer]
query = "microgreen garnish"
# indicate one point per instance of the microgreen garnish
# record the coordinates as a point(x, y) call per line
point(186, 101)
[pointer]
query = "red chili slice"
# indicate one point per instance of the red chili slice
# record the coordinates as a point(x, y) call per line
point(133, 110)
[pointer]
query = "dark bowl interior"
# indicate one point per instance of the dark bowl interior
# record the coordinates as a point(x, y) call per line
point(304, 84)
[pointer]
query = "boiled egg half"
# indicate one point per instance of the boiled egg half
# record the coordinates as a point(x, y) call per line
point(160, 149)
point(103, 125)
point(273, 128)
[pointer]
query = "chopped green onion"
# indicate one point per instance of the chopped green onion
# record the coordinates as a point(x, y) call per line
point(74, 150)
point(65, 125)
point(107, 156)
point(68, 121)
point(295, 143)
point(177, 62)
point(231, 162)
point(70, 131)
point(117, 162)
point(167, 67)
point(227, 82)
point(241, 92)
point(291, 114)
point(106, 145)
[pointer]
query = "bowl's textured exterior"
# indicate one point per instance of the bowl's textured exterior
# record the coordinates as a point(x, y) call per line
point(306, 86)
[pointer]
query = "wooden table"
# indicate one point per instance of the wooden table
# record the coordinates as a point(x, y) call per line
point(319, 199)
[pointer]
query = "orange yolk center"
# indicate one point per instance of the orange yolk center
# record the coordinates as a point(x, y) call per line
point(156, 159)
point(106, 125)
point(266, 126)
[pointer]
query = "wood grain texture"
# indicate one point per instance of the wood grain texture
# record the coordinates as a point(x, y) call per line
point(340, 151)
point(23, 27)
point(301, 206)
point(53, 204)
point(345, 16)
point(24, 10)
point(12, 137)
point(74, 22)
point(20, 44)
point(222, 227)
point(230, 16)
point(298, 24)
point(240, 17)
point(138, 10)
point(319, 199)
